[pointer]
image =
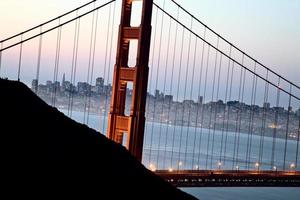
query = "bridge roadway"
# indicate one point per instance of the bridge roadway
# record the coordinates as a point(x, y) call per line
point(230, 178)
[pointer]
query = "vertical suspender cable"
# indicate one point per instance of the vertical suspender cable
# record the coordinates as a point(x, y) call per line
point(152, 62)
point(150, 85)
point(153, 50)
point(164, 91)
point(20, 57)
point(88, 94)
point(275, 124)
point(212, 104)
point(75, 64)
point(204, 91)
point(53, 86)
point(242, 111)
point(1, 57)
point(184, 96)
point(39, 60)
point(109, 57)
point(148, 111)
point(177, 95)
point(156, 85)
point(225, 102)
point(93, 63)
point(105, 66)
point(72, 66)
point(264, 119)
point(238, 120)
point(192, 86)
point(228, 113)
point(56, 64)
point(287, 129)
point(171, 87)
point(253, 114)
point(297, 148)
point(216, 106)
point(191, 97)
point(201, 106)
point(250, 121)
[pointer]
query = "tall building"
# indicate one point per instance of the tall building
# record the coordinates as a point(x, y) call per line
point(266, 105)
point(200, 100)
point(108, 89)
point(298, 112)
point(63, 83)
point(83, 87)
point(34, 84)
point(56, 86)
point(157, 94)
point(100, 81)
point(188, 101)
point(99, 85)
point(64, 78)
point(48, 83)
point(168, 98)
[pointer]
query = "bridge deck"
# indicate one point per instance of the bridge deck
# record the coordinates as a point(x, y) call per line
point(223, 178)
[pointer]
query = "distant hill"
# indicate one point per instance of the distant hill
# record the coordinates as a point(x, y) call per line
point(46, 154)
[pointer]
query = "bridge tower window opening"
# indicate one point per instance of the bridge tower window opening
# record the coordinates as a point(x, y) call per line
point(136, 14)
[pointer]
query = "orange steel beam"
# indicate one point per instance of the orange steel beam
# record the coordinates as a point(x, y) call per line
point(118, 123)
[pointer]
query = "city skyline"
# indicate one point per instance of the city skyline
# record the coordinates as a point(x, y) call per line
point(230, 116)
point(85, 88)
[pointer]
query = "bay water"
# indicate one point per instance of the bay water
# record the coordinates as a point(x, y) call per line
point(169, 146)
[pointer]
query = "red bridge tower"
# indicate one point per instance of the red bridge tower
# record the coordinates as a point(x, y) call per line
point(134, 124)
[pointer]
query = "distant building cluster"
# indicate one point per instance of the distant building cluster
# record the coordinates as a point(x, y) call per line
point(224, 116)
point(82, 88)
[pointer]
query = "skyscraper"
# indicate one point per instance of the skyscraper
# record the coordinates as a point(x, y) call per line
point(200, 100)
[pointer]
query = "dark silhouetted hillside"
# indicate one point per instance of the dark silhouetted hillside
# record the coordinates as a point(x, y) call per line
point(46, 154)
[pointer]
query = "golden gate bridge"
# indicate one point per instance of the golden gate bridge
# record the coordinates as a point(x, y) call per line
point(186, 102)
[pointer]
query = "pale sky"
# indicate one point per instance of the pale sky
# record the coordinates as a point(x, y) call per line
point(268, 30)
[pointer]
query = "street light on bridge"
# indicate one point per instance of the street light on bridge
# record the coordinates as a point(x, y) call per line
point(180, 163)
point(257, 165)
point(152, 167)
point(219, 165)
point(292, 166)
